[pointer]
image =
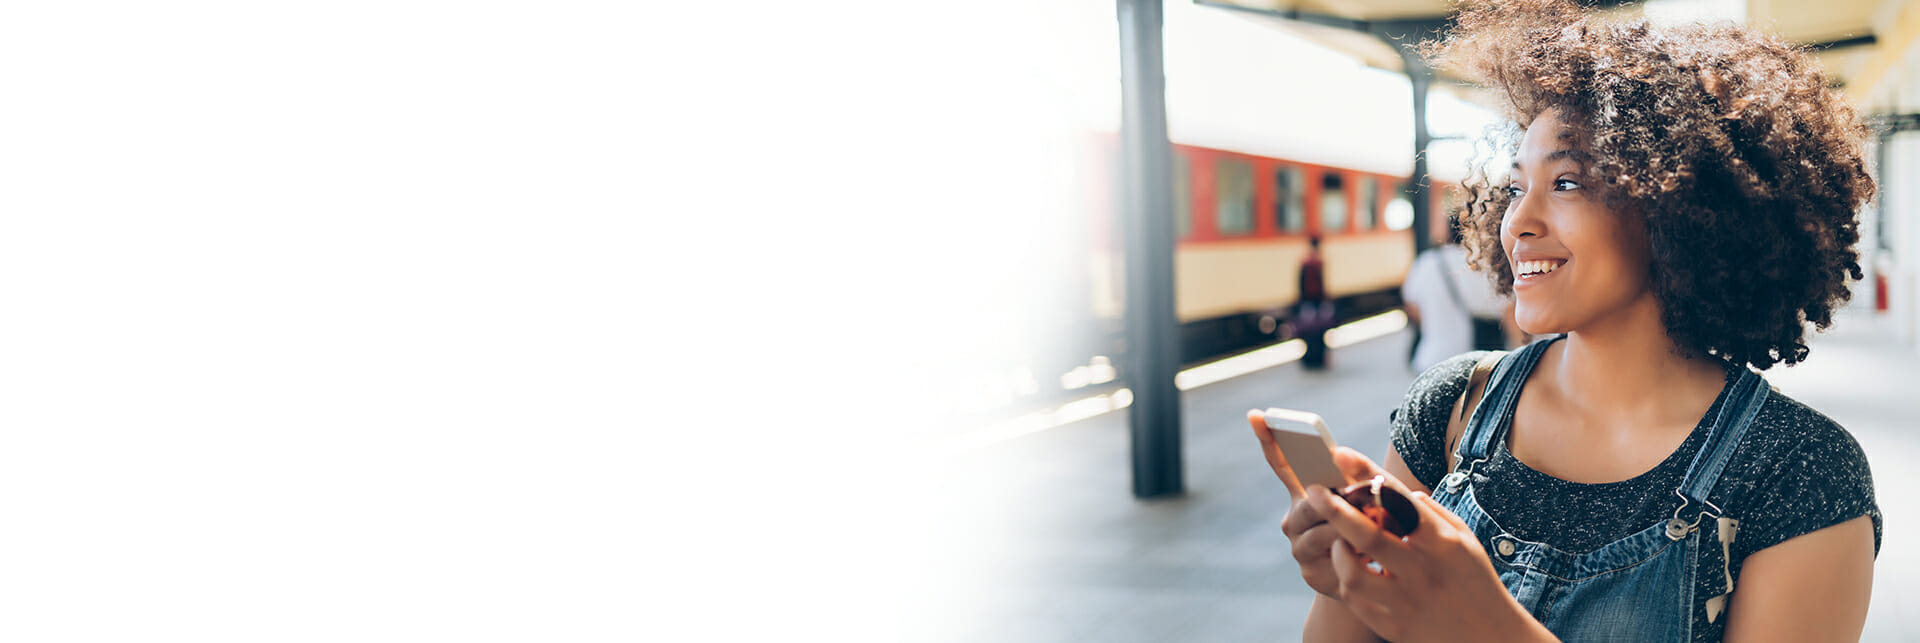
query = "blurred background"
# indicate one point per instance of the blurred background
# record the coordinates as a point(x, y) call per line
point(965, 290)
point(851, 320)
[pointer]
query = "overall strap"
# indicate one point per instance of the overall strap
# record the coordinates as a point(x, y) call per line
point(1743, 402)
point(1489, 418)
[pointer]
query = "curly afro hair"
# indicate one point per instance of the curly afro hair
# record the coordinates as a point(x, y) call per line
point(1746, 166)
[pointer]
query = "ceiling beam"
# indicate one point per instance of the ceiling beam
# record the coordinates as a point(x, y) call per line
point(1844, 43)
point(1395, 29)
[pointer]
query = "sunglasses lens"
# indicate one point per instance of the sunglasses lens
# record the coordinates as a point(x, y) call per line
point(1400, 516)
point(1387, 507)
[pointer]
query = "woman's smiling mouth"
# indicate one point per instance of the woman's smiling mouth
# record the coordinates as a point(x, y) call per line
point(1536, 269)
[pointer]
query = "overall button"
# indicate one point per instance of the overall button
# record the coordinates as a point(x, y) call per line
point(1677, 528)
point(1505, 547)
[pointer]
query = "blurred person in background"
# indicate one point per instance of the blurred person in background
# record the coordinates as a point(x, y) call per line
point(1452, 308)
point(1681, 207)
point(1314, 314)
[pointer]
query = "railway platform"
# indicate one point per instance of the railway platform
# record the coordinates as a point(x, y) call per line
point(1049, 545)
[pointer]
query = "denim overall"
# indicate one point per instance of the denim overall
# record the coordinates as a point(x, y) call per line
point(1638, 588)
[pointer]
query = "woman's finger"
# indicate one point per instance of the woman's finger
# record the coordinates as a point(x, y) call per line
point(1367, 593)
point(1359, 531)
point(1315, 544)
point(1356, 578)
point(1300, 518)
point(1356, 465)
point(1362, 603)
point(1275, 460)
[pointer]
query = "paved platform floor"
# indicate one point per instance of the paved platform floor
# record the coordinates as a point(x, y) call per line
point(1047, 543)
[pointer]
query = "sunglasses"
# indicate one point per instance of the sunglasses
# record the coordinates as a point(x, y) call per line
point(1387, 507)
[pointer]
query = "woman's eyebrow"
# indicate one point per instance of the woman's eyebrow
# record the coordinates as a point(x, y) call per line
point(1578, 157)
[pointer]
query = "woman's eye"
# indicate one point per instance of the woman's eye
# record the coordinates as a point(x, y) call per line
point(1512, 191)
point(1563, 185)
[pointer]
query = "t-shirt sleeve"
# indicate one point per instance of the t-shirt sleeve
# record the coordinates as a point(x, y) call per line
point(1419, 424)
point(1821, 480)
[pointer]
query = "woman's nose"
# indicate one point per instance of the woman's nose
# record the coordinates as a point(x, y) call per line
point(1523, 219)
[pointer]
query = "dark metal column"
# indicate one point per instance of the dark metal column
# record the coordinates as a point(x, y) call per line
point(1418, 184)
point(1147, 226)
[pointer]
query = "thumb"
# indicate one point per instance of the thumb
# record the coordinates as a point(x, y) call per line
point(1275, 459)
point(1355, 465)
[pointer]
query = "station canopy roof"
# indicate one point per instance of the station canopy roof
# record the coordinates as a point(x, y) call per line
point(1841, 32)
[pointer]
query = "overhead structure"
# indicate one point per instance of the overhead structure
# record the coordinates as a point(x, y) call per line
point(1845, 34)
point(1384, 34)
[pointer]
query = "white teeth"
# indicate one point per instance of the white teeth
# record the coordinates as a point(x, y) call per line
point(1529, 268)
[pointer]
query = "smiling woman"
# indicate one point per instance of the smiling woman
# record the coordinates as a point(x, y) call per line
point(1680, 209)
point(1574, 259)
point(1745, 167)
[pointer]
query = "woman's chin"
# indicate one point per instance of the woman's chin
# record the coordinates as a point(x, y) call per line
point(1535, 326)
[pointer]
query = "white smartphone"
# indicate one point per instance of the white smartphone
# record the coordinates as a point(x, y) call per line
point(1308, 444)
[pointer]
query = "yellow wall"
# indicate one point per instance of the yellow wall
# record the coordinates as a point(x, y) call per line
point(1217, 279)
point(1221, 279)
point(1367, 263)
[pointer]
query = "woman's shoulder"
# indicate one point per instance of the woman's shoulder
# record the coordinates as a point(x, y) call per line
point(1797, 470)
point(1785, 426)
point(1443, 382)
point(1419, 424)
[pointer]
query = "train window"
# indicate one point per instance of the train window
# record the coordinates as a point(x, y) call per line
point(1233, 196)
point(1290, 204)
point(1369, 203)
point(1333, 203)
point(1182, 196)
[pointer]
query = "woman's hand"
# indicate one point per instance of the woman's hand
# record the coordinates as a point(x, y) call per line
point(1434, 585)
point(1309, 532)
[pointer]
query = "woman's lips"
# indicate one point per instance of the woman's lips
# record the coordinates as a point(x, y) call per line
point(1535, 270)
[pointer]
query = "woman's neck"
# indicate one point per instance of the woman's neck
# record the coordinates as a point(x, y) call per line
point(1629, 370)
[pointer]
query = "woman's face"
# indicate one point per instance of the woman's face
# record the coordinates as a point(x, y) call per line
point(1574, 261)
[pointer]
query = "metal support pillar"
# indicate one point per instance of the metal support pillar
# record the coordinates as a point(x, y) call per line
point(1419, 184)
point(1153, 351)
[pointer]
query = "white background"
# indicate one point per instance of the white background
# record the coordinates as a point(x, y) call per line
point(413, 320)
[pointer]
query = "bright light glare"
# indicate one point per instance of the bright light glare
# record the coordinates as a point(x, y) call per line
point(1677, 12)
point(1076, 378)
point(1399, 214)
point(1099, 370)
point(1102, 370)
point(1031, 423)
point(1284, 352)
point(1239, 365)
point(1376, 326)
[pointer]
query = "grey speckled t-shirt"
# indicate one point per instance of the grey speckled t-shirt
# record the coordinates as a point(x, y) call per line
point(1794, 472)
